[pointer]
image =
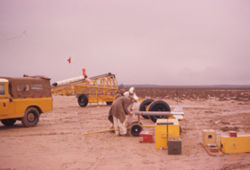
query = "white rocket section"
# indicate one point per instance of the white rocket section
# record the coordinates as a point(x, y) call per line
point(4, 81)
point(68, 81)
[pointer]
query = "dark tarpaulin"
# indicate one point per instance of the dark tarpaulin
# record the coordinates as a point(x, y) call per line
point(35, 86)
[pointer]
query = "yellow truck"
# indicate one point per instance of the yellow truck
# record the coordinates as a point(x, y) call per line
point(101, 88)
point(24, 99)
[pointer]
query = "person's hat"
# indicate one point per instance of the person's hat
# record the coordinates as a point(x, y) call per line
point(131, 90)
point(132, 96)
point(121, 86)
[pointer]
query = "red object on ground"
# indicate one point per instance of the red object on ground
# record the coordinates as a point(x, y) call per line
point(214, 149)
point(146, 137)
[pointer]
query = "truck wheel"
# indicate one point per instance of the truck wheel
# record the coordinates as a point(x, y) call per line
point(8, 122)
point(109, 103)
point(83, 100)
point(143, 106)
point(31, 117)
point(159, 106)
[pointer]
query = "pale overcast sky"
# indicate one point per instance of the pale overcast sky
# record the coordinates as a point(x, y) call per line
point(178, 42)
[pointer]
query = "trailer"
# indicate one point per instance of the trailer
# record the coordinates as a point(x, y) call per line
point(101, 88)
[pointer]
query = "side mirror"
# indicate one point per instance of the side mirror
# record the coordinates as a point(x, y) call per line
point(10, 99)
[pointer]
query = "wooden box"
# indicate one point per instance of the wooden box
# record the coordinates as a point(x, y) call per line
point(209, 137)
point(174, 146)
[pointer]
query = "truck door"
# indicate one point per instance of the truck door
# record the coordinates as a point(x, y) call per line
point(7, 108)
point(2, 100)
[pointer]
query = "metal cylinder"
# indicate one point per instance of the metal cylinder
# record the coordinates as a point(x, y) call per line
point(68, 81)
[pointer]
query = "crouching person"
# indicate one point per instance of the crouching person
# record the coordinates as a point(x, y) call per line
point(118, 112)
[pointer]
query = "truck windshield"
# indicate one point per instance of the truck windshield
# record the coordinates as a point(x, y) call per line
point(2, 89)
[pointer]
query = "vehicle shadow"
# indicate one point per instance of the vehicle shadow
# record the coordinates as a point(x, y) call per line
point(16, 126)
point(95, 106)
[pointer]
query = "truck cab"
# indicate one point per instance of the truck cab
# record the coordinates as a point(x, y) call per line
point(24, 99)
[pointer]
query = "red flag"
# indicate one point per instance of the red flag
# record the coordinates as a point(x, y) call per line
point(69, 60)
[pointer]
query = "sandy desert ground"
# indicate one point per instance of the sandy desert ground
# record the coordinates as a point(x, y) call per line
point(58, 141)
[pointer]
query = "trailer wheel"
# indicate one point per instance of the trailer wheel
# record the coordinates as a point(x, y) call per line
point(159, 106)
point(83, 100)
point(31, 117)
point(135, 129)
point(143, 106)
point(8, 122)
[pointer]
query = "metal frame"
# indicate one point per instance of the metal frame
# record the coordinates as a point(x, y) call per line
point(176, 114)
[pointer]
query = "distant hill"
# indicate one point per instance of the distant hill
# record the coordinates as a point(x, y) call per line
point(185, 86)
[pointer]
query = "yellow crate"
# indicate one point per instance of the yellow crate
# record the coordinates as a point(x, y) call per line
point(164, 129)
point(235, 144)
